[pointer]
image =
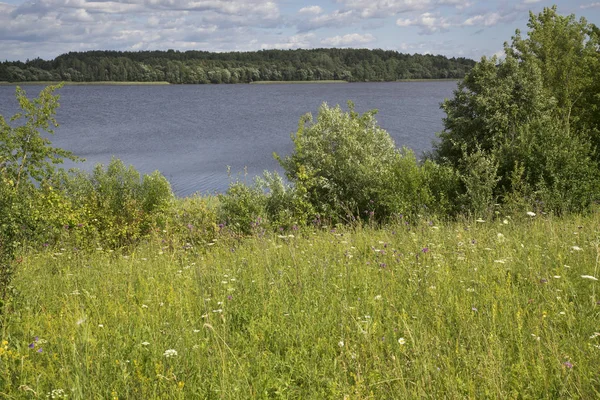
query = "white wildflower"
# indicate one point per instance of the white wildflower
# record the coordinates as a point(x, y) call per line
point(378, 297)
point(100, 326)
point(480, 220)
point(402, 341)
point(556, 276)
point(57, 394)
point(341, 343)
point(145, 343)
point(576, 248)
point(170, 353)
point(531, 213)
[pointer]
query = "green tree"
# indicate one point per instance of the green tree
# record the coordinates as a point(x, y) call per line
point(529, 119)
point(26, 158)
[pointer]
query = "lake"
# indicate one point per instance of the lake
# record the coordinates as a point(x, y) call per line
point(192, 133)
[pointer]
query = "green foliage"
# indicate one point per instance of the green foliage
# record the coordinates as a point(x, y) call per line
point(285, 207)
point(242, 208)
point(533, 117)
point(116, 202)
point(190, 222)
point(340, 162)
point(478, 174)
point(235, 67)
point(26, 158)
point(346, 168)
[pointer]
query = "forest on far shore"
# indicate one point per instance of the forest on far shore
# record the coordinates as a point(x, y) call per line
point(352, 65)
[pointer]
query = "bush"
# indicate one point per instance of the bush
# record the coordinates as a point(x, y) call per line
point(340, 162)
point(345, 167)
point(189, 222)
point(116, 202)
point(242, 207)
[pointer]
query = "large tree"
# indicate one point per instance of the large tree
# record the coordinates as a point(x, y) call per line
point(534, 114)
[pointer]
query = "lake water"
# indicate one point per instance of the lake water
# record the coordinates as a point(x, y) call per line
point(191, 133)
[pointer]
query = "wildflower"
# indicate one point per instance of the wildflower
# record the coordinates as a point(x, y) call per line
point(402, 341)
point(31, 345)
point(378, 297)
point(39, 350)
point(100, 326)
point(56, 394)
point(556, 277)
point(576, 248)
point(425, 249)
point(170, 353)
point(593, 278)
point(568, 364)
point(474, 309)
point(480, 220)
point(505, 221)
point(341, 343)
point(145, 343)
point(531, 213)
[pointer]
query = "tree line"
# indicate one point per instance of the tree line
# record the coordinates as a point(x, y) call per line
point(190, 67)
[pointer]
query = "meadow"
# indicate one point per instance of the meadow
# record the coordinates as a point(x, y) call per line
point(365, 274)
point(505, 308)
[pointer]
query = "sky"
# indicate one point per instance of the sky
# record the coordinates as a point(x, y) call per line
point(454, 28)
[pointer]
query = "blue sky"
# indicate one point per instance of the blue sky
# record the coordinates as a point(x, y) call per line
point(467, 28)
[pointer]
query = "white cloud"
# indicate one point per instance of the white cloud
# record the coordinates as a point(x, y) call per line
point(591, 5)
point(311, 10)
point(428, 22)
point(293, 42)
point(489, 19)
point(335, 19)
point(351, 39)
point(386, 8)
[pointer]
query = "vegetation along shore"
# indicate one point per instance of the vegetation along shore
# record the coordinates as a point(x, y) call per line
point(471, 274)
point(352, 65)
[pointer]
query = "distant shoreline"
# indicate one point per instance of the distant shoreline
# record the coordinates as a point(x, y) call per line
point(160, 83)
point(294, 82)
point(107, 83)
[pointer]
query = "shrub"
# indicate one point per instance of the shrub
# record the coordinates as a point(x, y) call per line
point(242, 207)
point(345, 167)
point(190, 222)
point(116, 202)
point(340, 162)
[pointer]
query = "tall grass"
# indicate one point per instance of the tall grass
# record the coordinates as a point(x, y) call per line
point(495, 309)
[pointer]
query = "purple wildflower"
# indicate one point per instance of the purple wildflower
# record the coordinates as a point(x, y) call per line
point(39, 350)
point(425, 250)
point(568, 364)
point(31, 346)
